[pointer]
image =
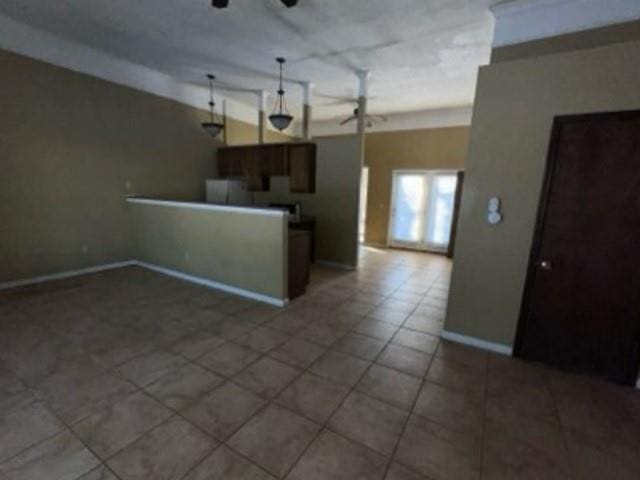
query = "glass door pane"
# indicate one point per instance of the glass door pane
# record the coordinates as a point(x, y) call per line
point(440, 211)
point(409, 193)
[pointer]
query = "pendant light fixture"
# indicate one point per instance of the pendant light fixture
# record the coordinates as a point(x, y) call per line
point(213, 128)
point(280, 117)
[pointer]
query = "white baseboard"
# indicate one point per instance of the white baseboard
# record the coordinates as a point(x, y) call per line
point(66, 274)
point(216, 285)
point(374, 245)
point(341, 266)
point(129, 263)
point(478, 343)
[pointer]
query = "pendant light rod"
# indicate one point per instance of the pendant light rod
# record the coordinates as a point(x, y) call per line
point(212, 127)
point(281, 61)
point(212, 104)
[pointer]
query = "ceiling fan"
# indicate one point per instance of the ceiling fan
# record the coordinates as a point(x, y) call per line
point(225, 3)
point(370, 120)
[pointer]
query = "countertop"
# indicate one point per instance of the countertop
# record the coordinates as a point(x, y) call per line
point(206, 206)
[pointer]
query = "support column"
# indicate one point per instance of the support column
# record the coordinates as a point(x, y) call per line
point(262, 100)
point(307, 110)
point(363, 93)
point(224, 122)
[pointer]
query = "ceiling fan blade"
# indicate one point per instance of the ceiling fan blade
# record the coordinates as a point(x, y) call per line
point(377, 118)
point(350, 119)
point(337, 98)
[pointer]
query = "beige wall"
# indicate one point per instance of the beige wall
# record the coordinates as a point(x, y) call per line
point(241, 133)
point(437, 148)
point(514, 109)
point(241, 249)
point(335, 203)
point(71, 147)
point(597, 37)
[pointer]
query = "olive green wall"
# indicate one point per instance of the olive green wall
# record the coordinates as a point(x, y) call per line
point(241, 133)
point(71, 147)
point(335, 203)
point(240, 249)
point(436, 148)
point(514, 109)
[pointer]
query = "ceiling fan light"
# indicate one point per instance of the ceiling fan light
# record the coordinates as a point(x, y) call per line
point(280, 121)
point(212, 128)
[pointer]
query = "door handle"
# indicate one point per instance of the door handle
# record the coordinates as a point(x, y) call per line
point(545, 264)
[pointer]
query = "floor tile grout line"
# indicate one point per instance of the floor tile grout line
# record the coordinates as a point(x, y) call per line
point(82, 442)
point(411, 412)
point(325, 424)
point(371, 362)
point(137, 389)
point(564, 431)
point(267, 401)
point(219, 443)
point(484, 418)
point(351, 391)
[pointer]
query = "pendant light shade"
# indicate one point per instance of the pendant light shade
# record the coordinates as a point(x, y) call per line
point(280, 118)
point(212, 127)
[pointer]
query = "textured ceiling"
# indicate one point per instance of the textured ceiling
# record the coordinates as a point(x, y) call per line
point(422, 54)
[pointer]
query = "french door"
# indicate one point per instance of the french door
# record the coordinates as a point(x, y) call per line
point(422, 208)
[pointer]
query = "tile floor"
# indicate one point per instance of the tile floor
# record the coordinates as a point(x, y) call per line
point(132, 375)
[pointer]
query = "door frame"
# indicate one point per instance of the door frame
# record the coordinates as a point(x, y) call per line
point(412, 171)
point(543, 208)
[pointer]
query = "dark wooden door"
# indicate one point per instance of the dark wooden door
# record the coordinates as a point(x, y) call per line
point(581, 308)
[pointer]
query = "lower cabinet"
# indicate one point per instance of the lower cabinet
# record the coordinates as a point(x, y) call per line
point(299, 269)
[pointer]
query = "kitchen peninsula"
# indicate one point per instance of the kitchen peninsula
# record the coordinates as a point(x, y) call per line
point(244, 250)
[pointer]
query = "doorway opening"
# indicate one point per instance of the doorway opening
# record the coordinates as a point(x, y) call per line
point(362, 217)
point(422, 209)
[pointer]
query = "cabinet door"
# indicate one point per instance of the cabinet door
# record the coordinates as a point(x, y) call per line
point(254, 170)
point(224, 163)
point(302, 168)
point(275, 158)
point(230, 162)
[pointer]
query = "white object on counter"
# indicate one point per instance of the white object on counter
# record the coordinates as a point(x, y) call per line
point(228, 192)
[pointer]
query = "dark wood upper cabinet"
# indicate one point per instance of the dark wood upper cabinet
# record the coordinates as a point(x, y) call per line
point(275, 157)
point(254, 170)
point(230, 162)
point(257, 163)
point(302, 168)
